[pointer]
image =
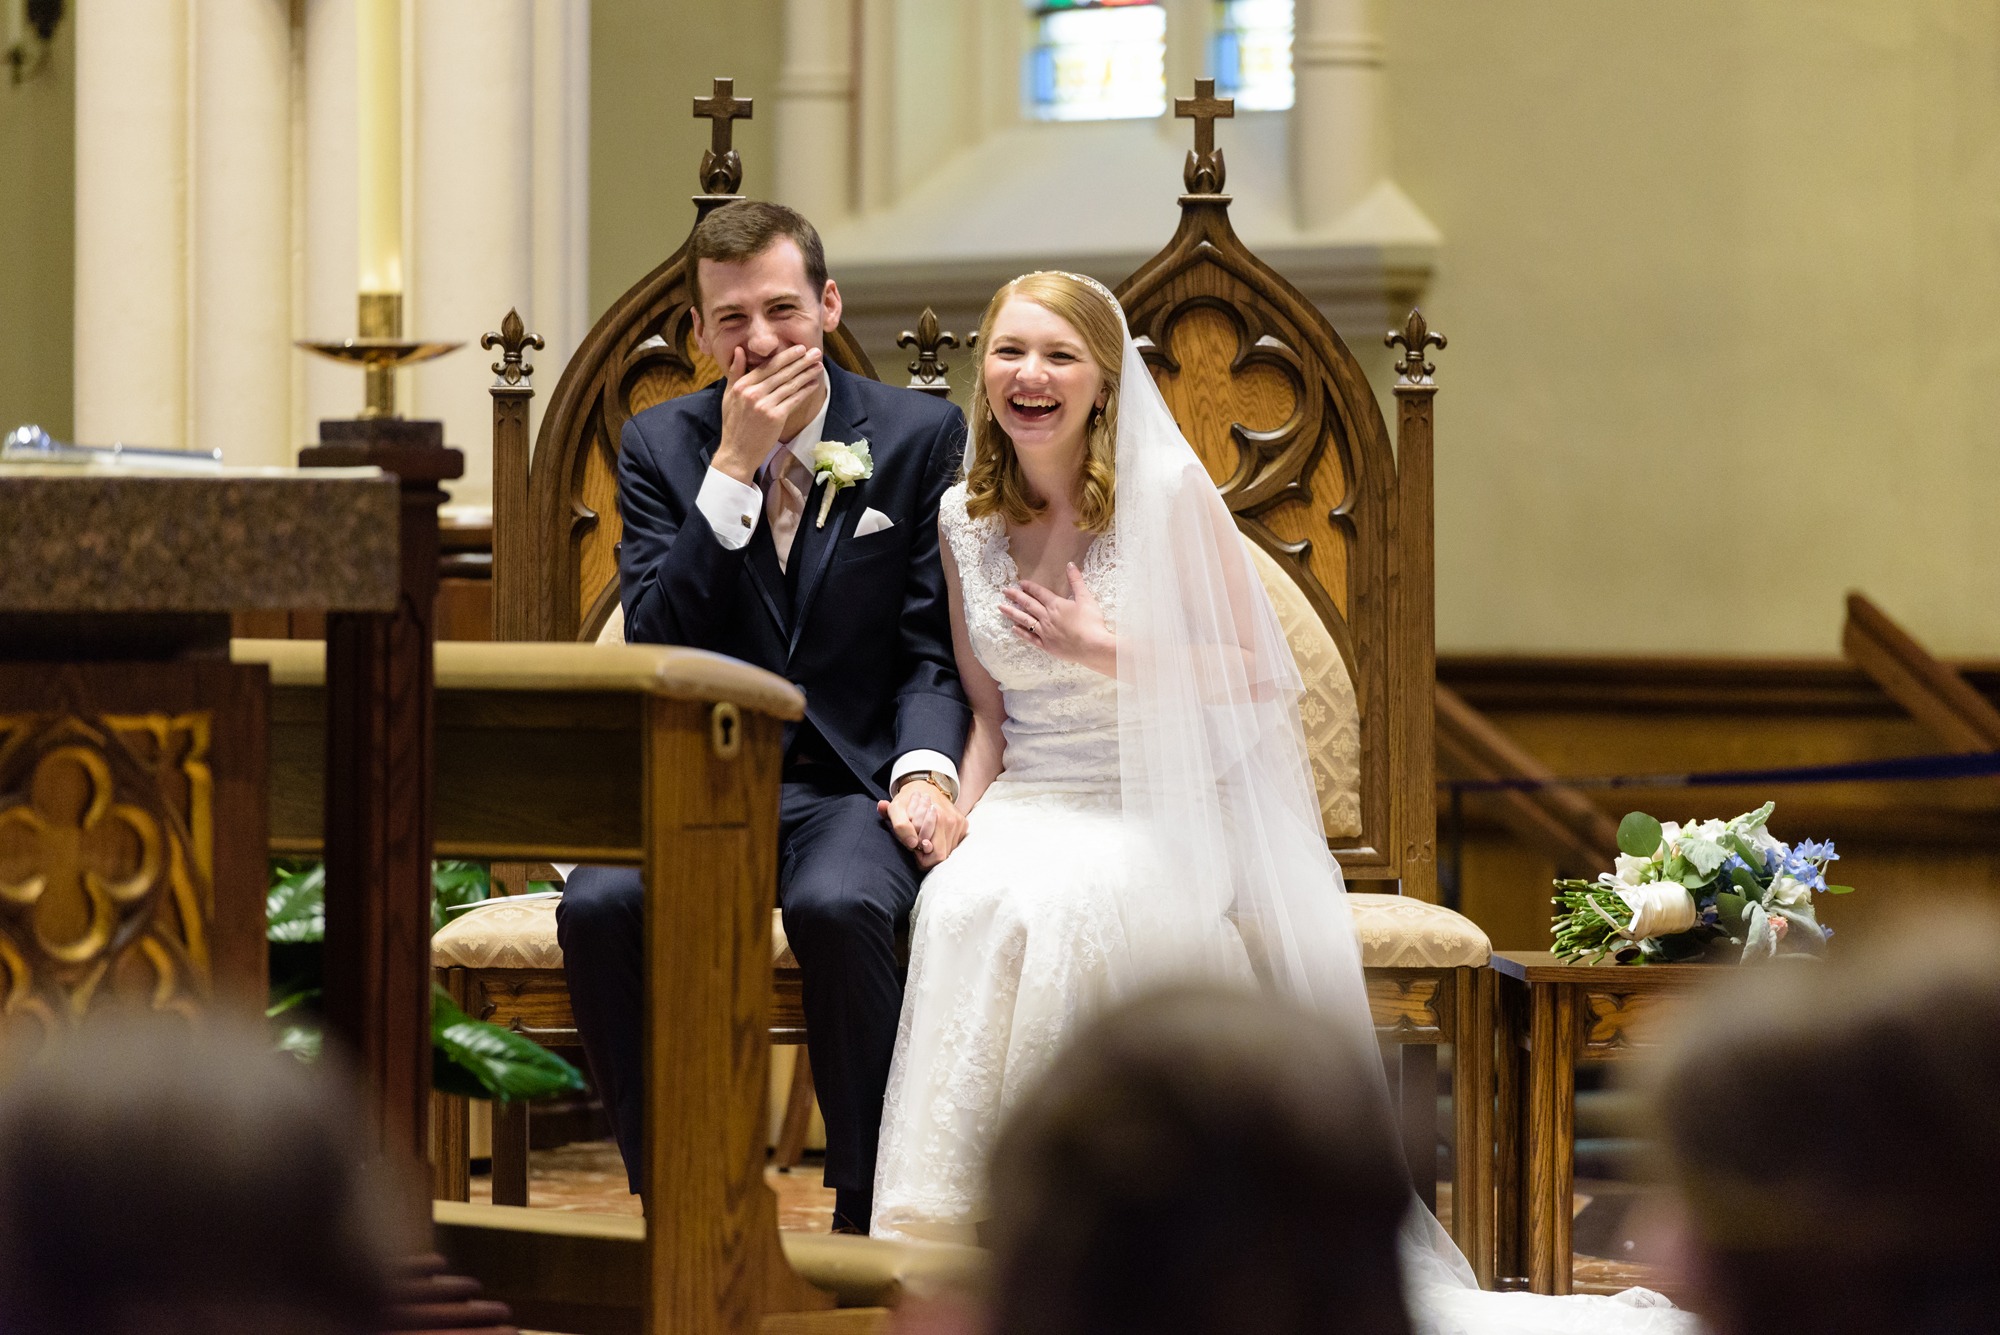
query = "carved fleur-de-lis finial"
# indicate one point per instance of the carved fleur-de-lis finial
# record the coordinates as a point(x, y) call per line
point(927, 372)
point(1204, 173)
point(721, 167)
point(1416, 337)
point(513, 340)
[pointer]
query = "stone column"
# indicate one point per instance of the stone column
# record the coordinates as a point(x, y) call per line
point(1336, 117)
point(331, 225)
point(1188, 31)
point(815, 167)
point(561, 302)
point(240, 351)
point(471, 253)
point(131, 332)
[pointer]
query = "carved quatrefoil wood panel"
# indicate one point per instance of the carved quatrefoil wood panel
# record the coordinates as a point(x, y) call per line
point(105, 865)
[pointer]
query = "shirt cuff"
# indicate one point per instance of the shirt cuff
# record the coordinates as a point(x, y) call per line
point(913, 762)
point(731, 508)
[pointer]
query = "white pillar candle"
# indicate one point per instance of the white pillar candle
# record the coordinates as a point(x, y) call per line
point(379, 90)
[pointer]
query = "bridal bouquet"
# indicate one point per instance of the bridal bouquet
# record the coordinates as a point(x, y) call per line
point(1719, 890)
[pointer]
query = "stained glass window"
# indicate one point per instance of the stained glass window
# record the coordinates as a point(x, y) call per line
point(1096, 60)
point(1252, 53)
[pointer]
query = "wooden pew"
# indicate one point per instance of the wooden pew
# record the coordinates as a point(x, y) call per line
point(620, 754)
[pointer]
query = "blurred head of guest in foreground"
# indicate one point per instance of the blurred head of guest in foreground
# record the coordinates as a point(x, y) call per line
point(1205, 1161)
point(1831, 1131)
point(159, 1178)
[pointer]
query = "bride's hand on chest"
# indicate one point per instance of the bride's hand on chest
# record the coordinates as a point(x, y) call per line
point(1069, 626)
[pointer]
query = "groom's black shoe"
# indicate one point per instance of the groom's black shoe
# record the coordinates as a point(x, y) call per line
point(851, 1210)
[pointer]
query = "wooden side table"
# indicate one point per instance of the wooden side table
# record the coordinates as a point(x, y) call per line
point(1558, 1014)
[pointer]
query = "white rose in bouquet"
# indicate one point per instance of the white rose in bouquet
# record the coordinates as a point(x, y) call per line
point(1659, 908)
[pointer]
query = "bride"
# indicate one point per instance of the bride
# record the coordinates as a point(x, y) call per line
point(1139, 801)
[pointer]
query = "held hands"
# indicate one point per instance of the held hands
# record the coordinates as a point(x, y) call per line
point(924, 821)
point(1071, 628)
point(757, 404)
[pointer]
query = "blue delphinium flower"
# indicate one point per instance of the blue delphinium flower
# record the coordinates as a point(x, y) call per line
point(1820, 851)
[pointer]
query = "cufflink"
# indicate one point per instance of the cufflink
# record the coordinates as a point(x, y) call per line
point(747, 520)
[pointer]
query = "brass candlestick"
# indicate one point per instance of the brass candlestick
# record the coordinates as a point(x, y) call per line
point(380, 350)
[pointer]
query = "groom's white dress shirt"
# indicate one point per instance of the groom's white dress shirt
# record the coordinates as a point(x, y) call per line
point(732, 507)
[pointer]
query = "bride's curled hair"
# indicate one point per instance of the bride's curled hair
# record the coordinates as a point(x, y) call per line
point(994, 483)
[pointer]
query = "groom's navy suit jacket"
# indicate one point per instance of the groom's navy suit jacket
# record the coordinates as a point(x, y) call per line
point(860, 624)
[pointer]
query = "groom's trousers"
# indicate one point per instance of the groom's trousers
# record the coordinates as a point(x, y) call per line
point(846, 886)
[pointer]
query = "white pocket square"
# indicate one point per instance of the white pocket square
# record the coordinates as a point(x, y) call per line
point(872, 521)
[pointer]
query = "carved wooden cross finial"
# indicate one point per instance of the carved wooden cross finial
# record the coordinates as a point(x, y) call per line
point(721, 168)
point(513, 340)
point(927, 372)
point(1415, 336)
point(1204, 173)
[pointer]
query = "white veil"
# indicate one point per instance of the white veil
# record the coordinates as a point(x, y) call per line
point(1219, 802)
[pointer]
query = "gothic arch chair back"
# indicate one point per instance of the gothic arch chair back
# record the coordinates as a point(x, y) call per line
point(1281, 414)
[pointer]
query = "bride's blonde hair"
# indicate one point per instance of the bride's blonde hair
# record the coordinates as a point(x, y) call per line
point(994, 483)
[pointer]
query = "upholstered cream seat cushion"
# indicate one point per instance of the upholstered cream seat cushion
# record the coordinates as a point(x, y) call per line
point(1401, 933)
point(1332, 723)
point(509, 934)
point(1396, 933)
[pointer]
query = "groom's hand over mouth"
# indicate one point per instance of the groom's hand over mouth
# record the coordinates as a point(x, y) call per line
point(757, 403)
point(925, 821)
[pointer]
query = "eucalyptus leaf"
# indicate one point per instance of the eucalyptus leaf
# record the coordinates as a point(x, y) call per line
point(1639, 835)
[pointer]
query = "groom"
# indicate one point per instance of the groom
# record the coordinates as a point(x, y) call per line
point(733, 544)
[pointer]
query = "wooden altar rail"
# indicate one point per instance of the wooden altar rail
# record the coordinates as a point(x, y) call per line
point(1903, 843)
point(620, 755)
point(1561, 821)
point(1937, 696)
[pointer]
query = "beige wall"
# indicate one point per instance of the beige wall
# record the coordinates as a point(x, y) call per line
point(1721, 285)
point(1723, 288)
point(38, 240)
point(648, 62)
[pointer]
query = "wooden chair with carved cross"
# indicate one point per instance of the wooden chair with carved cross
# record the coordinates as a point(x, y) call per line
point(1341, 528)
point(556, 528)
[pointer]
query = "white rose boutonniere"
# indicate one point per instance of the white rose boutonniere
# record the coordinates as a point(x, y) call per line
point(840, 466)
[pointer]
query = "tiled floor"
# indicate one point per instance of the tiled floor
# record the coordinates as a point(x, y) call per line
point(589, 1178)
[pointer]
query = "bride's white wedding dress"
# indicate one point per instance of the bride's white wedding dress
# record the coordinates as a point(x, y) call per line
point(1004, 962)
point(1143, 828)
point(1029, 926)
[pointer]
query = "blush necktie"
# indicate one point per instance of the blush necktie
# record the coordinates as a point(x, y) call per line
point(785, 502)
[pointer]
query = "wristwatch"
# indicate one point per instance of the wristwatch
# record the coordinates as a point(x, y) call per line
point(945, 783)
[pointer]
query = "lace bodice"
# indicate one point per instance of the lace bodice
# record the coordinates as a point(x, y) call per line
point(1062, 718)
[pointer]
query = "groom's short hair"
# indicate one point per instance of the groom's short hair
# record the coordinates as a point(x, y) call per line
point(747, 228)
